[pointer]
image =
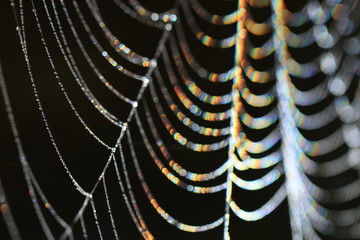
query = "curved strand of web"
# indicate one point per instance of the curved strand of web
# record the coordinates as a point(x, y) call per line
point(85, 53)
point(258, 29)
point(99, 48)
point(330, 168)
point(198, 147)
point(306, 38)
point(308, 69)
point(310, 97)
point(302, 70)
point(165, 215)
point(22, 157)
point(327, 227)
point(261, 122)
point(152, 20)
point(320, 13)
point(96, 219)
point(260, 52)
point(36, 203)
point(215, 19)
point(196, 110)
point(325, 40)
point(83, 228)
point(297, 19)
point(329, 38)
point(263, 145)
point(133, 208)
point(118, 46)
point(300, 40)
point(74, 70)
point(205, 39)
point(314, 11)
point(193, 63)
point(197, 177)
point(45, 201)
point(255, 100)
point(23, 43)
point(341, 194)
point(351, 134)
point(182, 117)
point(264, 210)
point(116, 235)
point(342, 218)
point(166, 17)
point(324, 218)
point(314, 121)
point(6, 212)
point(174, 179)
point(191, 83)
point(328, 114)
point(260, 183)
point(317, 120)
point(246, 162)
point(256, 76)
point(319, 147)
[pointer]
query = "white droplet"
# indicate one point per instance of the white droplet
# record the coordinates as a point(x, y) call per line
point(351, 135)
point(328, 64)
point(168, 27)
point(153, 63)
point(154, 16)
point(337, 86)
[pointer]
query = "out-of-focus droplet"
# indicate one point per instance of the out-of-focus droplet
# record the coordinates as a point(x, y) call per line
point(328, 64)
point(351, 64)
point(352, 46)
point(154, 16)
point(351, 135)
point(354, 159)
point(337, 86)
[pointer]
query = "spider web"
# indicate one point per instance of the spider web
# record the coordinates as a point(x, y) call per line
point(254, 102)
